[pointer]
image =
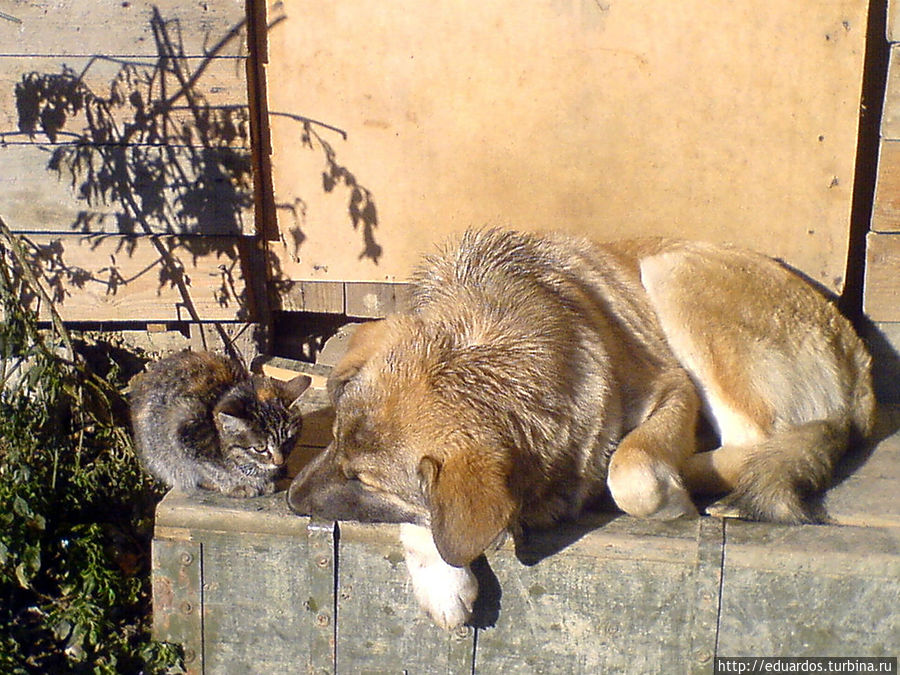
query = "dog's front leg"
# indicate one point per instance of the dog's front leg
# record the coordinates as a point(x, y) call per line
point(445, 592)
point(645, 470)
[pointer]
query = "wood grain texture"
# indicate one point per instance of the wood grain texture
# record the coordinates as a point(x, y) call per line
point(615, 597)
point(881, 298)
point(223, 83)
point(79, 27)
point(381, 628)
point(886, 210)
point(890, 116)
point(308, 296)
point(184, 190)
point(375, 300)
point(144, 278)
point(809, 590)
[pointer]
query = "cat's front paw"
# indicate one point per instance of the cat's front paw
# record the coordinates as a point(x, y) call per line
point(446, 593)
point(242, 492)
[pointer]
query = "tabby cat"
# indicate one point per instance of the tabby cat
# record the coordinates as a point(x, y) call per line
point(201, 421)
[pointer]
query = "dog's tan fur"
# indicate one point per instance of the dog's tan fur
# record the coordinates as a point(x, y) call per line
point(536, 373)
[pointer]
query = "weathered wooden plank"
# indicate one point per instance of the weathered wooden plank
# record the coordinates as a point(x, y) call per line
point(75, 27)
point(886, 210)
point(375, 300)
point(380, 626)
point(119, 278)
point(284, 369)
point(256, 582)
point(177, 598)
point(185, 190)
point(179, 514)
point(321, 573)
point(893, 21)
point(890, 116)
point(141, 83)
point(618, 598)
point(309, 296)
point(881, 297)
point(809, 591)
point(866, 490)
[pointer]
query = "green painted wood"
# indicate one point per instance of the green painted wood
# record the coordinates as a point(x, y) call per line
point(177, 602)
point(608, 594)
point(321, 568)
point(809, 591)
point(604, 596)
point(380, 627)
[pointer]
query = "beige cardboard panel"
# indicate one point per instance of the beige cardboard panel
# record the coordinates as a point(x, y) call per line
point(611, 119)
point(125, 279)
point(54, 27)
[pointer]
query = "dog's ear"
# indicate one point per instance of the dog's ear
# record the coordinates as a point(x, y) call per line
point(470, 504)
point(362, 344)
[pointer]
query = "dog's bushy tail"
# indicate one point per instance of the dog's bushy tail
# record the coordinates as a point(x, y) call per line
point(779, 474)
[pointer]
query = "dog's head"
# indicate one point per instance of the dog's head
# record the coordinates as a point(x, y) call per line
point(410, 444)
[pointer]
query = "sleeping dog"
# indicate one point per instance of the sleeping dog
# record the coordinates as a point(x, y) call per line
point(535, 375)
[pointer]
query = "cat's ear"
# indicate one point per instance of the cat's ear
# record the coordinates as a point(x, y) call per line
point(365, 339)
point(231, 424)
point(291, 390)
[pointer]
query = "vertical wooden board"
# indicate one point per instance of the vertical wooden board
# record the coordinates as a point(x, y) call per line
point(617, 599)
point(781, 599)
point(257, 611)
point(76, 27)
point(893, 21)
point(881, 294)
point(177, 598)
point(380, 626)
point(607, 119)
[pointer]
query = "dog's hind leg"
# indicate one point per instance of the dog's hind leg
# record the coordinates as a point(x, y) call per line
point(644, 471)
point(782, 376)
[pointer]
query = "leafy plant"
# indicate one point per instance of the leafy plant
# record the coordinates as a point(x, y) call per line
point(75, 531)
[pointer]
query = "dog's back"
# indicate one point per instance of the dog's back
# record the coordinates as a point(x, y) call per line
point(781, 374)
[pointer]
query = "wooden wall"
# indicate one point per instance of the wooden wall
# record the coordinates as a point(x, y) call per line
point(125, 156)
point(396, 125)
point(881, 297)
point(882, 290)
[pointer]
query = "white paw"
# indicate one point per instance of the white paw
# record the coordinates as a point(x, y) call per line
point(445, 592)
point(648, 490)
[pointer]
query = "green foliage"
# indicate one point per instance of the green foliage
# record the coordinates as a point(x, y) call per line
point(76, 521)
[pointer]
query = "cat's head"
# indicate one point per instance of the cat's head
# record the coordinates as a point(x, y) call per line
point(258, 424)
